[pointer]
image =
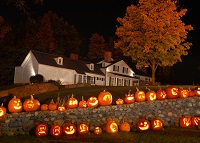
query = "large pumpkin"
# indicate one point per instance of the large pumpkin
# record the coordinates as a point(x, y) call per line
point(72, 102)
point(111, 127)
point(140, 95)
point(31, 104)
point(105, 98)
point(41, 130)
point(15, 105)
point(92, 102)
point(129, 98)
point(2, 111)
point(69, 129)
point(172, 92)
point(143, 125)
point(56, 130)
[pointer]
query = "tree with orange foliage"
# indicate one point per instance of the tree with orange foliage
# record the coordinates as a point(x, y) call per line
point(153, 34)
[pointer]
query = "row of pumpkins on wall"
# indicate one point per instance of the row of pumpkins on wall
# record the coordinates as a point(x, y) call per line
point(110, 127)
point(104, 98)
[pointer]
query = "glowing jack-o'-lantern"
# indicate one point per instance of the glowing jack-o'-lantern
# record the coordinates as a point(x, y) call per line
point(139, 95)
point(72, 102)
point(41, 130)
point(150, 95)
point(2, 111)
point(92, 102)
point(15, 105)
point(105, 98)
point(183, 93)
point(197, 91)
point(82, 103)
point(143, 125)
point(97, 130)
point(185, 122)
point(156, 124)
point(125, 126)
point(195, 121)
point(111, 127)
point(161, 94)
point(119, 101)
point(56, 130)
point(129, 98)
point(172, 92)
point(82, 128)
point(61, 108)
point(69, 129)
point(31, 104)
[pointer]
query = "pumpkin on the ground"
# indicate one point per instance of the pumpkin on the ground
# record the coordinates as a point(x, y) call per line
point(139, 95)
point(172, 92)
point(69, 129)
point(111, 127)
point(41, 130)
point(125, 126)
point(56, 130)
point(82, 128)
point(82, 103)
point(72, 102)
point(119, 101)
point(92, 102)
point(105, 98)
point(97, 130)
point(156, 124)
point(143, 125)
point(15, 105)
point(161, 94)
point(150, 95)
point(129, 98)
point(31, 104)
point(185, 121)
point(2, 111)
point(183, 93)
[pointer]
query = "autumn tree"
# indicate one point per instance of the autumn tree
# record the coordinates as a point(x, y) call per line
point(96, 46)
point(4, 27)
point(153, 34)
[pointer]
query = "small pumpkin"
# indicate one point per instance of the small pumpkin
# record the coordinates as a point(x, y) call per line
point(41, 130)
point(2, 111)
point(82, 128)
point(111, 127)
point(56, 130)
point(143, 125)
point(150, 95)
point(15, 105)
point(44, 107)
point(129, 98)
point(156, 124)
point(82, 103)
point(72, 102)
point(97, 130)
point(52, 105)
point(119, 101)
point(185, 121)
point(125, 126)
point(61, 108)
point(31, 104)
point(92, 102)
point(140, 95)
point(105, 98)
point(69, 129)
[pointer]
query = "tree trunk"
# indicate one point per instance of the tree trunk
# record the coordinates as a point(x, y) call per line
point(153, 73)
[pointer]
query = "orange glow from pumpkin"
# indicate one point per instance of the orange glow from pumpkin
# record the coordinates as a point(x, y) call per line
point(157, 123)
point(83, 128)
point(92, 102)
point(69, 129)
point(152, 96)
point(2, 113)
point(97, 130)
point(143, 125)
point(56, 130)
point(73, 102)
point(17, 105)
point(114, 127)
point(195, 121)
point(41, 130)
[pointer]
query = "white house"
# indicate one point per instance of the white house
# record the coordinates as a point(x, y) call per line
point(72, 71)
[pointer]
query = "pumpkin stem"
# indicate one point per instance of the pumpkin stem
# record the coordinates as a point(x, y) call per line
point(82, 98)
point(137, 89)
point(52, 101)
point(32, 97)
point(129, 92)
point(159, 86)
point(104, 90)
point(1, 104)
point(148, 88)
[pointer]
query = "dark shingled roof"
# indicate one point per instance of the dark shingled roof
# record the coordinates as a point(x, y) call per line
point(77, 65)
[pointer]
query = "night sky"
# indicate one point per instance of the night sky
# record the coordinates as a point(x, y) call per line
point(99, 16)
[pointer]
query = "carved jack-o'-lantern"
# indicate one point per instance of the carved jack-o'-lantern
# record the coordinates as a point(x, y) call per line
point(161, 94)
point(31, 104)
point(61, 108)
point(2, 111)
point(111, 127)
point(41, 130)
point(183, 93)
point(69, 129)
point(197, 91)
point(185, 122)
point(156, 124)
point(125, 126)
point(82, 128)
point(140, 95)
point(150, 95)
point(195, 121)
point(72, 102)
point(15, 105)
point(92, 102)
point(97, 130)
point(82, 103)
point(143, 125)
point(56, 130)
point(129, 98)
point(172, 92)
point(119, 101)
point(105, 98)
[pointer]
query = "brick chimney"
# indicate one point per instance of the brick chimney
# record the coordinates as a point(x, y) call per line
point(107, 56)
point(74, 56)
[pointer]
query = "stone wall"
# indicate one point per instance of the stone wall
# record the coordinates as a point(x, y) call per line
point(168, 111)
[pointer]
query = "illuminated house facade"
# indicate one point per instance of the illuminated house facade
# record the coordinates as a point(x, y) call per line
point(73, 71)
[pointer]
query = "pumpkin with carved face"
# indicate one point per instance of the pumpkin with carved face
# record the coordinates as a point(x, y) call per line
point(61, 108)
point(31, 104)
point(69, 129)
point(15, 105)
point(72, 102)
point(172, 92)
point(197, 91)
point(119, 101)
point(41, 130)
point(129, 98)
point(143, 125)
point(56, 130)
point(161, 94)
point(140, 95)
point(92, 102)
point(156, 124)
point(82, 128)
point(82, 103)
point(185, 122)
point(195, 121)
point(150, 95)
point(2, 111)
point(105, 98)
point(111, 127)
point(183, 93)
point(97, 130)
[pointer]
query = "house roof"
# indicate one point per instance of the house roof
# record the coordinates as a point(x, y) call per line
point(77, 65)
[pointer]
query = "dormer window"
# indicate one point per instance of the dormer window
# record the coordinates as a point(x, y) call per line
point(59, 60)
point(90, 66)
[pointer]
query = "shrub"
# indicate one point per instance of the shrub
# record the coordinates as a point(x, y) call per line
point(38, 78)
